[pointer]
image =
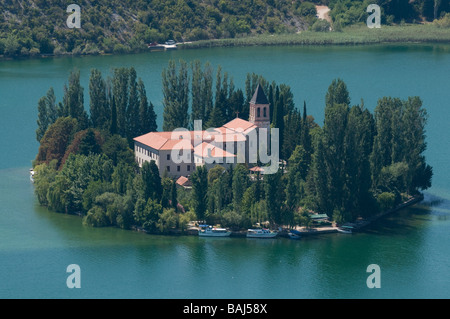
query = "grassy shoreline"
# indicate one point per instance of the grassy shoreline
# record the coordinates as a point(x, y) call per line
point(355, 35)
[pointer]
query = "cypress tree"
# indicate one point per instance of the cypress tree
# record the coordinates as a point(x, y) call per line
point(151, 181)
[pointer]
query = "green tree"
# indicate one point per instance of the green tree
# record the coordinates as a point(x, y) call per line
point(274, 191)
point(43, 120)
point(47, 113)
point(147, 113)
point(56, 140)
point(147, 213)
point(99, 107)
point(239, 186)
point(151, 181)
point(73, 100)
point(117, 149)
point(133, 120)
point(120, 91)
point(199, 181)
point(176, 96)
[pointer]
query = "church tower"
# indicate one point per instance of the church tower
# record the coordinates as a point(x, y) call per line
point(259, 109)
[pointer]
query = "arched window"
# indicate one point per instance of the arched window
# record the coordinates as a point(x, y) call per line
point(258, 112)
point(265, 112)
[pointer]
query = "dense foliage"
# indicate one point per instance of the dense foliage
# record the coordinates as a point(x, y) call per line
point(347, 12)
point(34, 27)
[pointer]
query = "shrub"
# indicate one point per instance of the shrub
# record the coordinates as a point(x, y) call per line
point(321, 26)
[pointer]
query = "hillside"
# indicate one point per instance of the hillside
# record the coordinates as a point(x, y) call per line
point(36, 27)
point(30, 27)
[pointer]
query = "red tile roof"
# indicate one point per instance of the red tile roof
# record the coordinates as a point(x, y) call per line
point(234, 130)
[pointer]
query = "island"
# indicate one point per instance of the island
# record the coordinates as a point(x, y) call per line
point(113, 167)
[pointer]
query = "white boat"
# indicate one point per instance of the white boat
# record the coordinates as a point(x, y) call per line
point(170, 45)
point(31, 175)
point(214, 232)
point(345, 229)
point(260, 233)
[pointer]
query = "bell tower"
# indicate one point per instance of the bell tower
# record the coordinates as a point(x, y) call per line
point(259, 112)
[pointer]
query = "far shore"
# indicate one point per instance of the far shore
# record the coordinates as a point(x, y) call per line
point(349, 36)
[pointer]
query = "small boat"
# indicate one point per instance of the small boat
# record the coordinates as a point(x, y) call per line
point(31, 175)
point(345, 229)
point(261, 233)
point(294, 234)
point(170, 45)
point(214, 232)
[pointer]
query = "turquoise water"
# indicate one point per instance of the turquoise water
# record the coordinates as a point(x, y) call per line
point(411, 247)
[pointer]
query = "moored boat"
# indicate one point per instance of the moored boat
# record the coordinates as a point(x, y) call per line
point(345, 229)
point(214, 232)
point(261, 233)
point(32, 175)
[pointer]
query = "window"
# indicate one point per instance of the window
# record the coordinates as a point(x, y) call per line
point(178, 168)
point(258, 112)
point(168, 157)
point(188, 168)
point(265, 112)
point(168, 168)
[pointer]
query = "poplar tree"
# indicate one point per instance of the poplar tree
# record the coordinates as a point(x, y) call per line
point(147, 115)
point(120, 92)
point(43, 121)
point(99, 106)
point(73, 100)
point(207, 92)
point(198, 108)
point(133, 120)
point(51, 106)
point(47, 113)
point(306, 140)
point(176, 96)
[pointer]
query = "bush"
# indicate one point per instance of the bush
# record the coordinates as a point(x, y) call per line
point(443, 22)
point(321, 26)
point(96, 217)
point(386, 201)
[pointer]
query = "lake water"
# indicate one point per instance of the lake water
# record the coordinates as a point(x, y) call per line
point(411, 247)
